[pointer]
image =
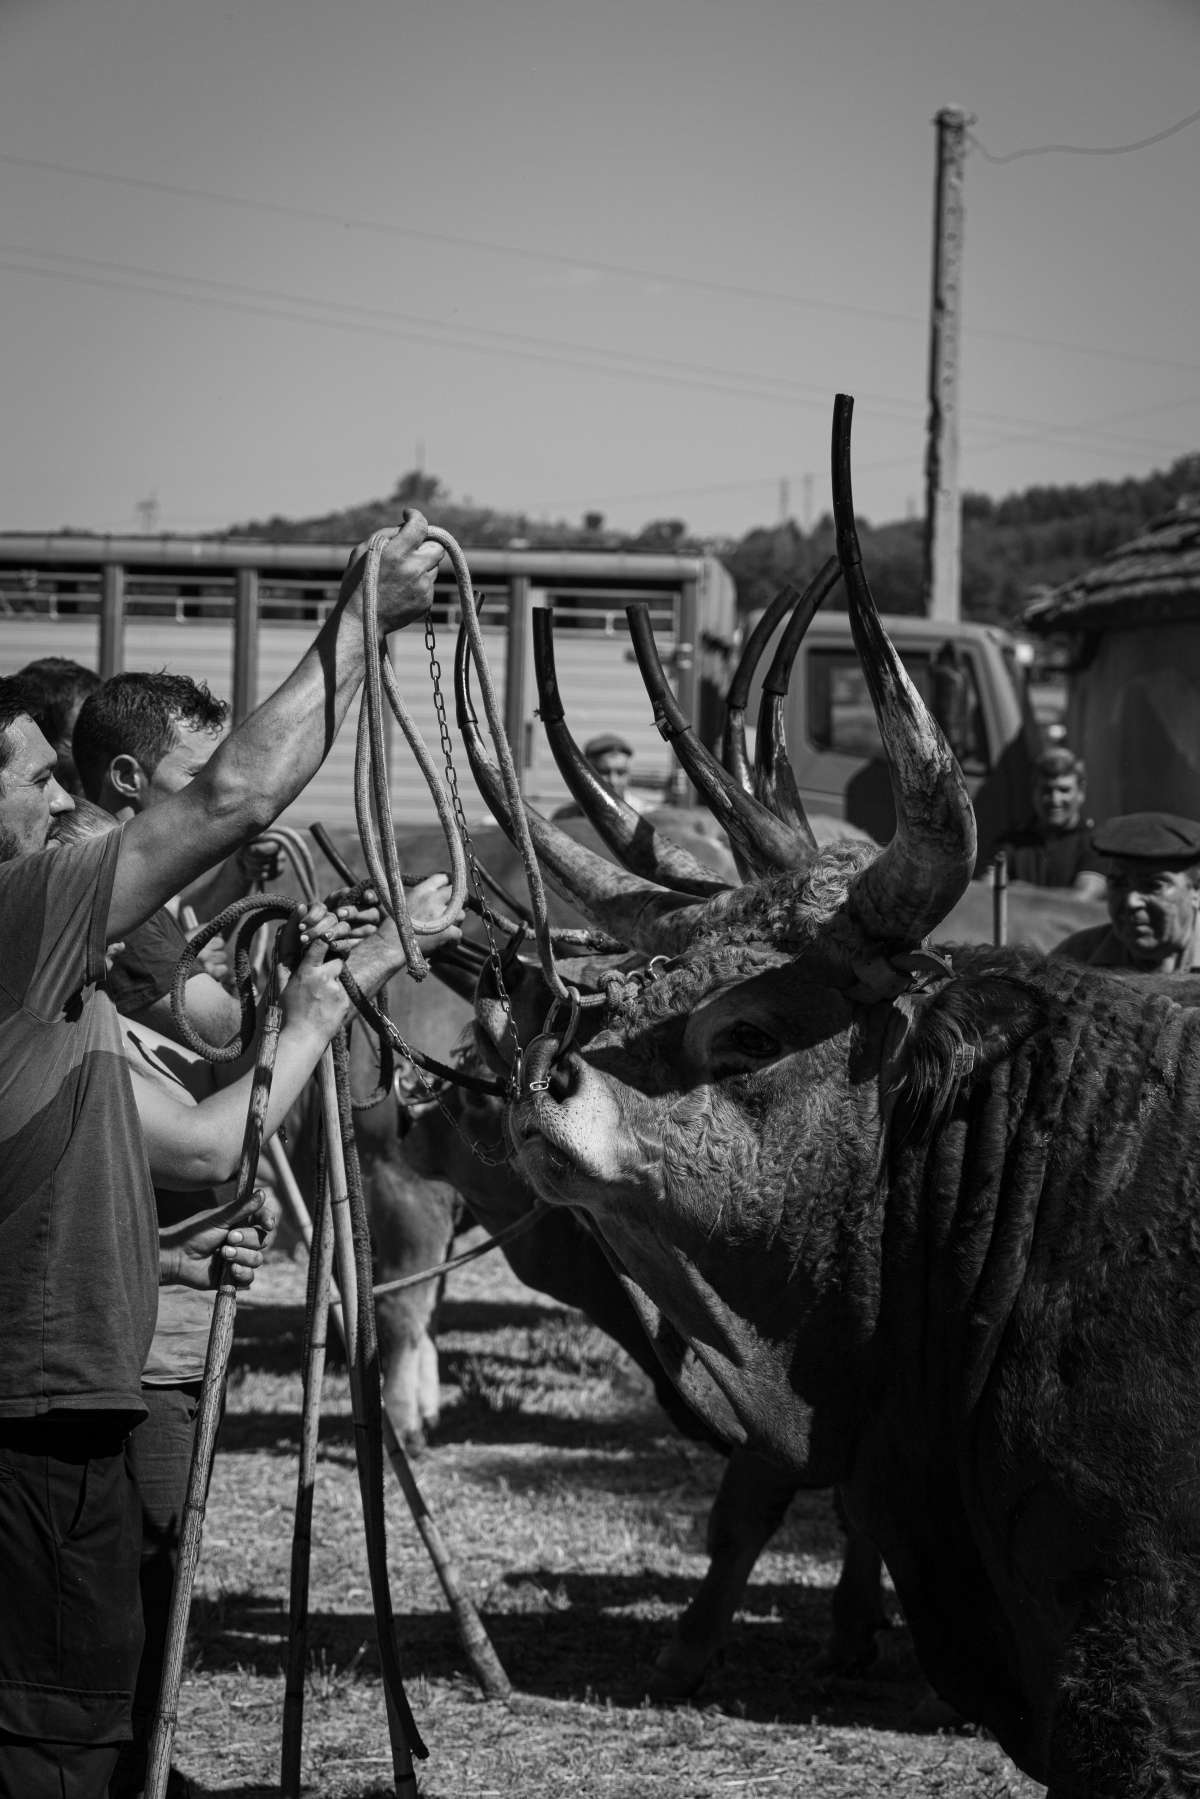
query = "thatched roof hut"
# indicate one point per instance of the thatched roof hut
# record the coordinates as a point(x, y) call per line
point(1133, 627)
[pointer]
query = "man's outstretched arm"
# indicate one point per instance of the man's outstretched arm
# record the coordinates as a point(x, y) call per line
point(272, 755)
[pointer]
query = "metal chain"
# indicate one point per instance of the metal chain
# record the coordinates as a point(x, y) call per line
point(485, 911)
point(487, 1156)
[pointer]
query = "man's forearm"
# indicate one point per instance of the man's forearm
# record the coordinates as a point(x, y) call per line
point(252, 777)
point(272, 755)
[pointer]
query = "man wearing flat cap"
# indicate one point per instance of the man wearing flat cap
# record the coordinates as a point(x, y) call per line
point(610, 756)
point(1152, 878)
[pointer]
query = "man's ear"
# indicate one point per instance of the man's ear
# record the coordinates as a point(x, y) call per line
point(127, 778)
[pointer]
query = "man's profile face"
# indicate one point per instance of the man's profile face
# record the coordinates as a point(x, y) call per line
point(613, 768)
point(191, 749)
point(1152, 909)
point(1058, 801)
point(31, 797)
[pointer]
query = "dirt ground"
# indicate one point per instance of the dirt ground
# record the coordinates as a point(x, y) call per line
point(576, 1519)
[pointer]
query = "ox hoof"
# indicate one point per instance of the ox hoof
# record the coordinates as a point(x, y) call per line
point(844, 1661)
point(932, 1713)
point(676, 1678)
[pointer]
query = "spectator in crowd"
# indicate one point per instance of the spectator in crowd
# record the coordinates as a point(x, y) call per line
point(610, 757)
point(1153, 893)
point(58, 688)
point(79, 1246)
point(1055, 848)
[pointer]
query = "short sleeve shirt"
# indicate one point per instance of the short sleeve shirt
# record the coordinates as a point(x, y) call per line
point(1053, 859)
point(78, 1232)
point(144, 967)
point(180, 1347)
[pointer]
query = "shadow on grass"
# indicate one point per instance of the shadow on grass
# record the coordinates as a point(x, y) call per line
point(559, 1642)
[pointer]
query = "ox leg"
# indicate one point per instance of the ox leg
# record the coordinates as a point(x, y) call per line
point(1126, 1724)
point(747, 1511)
point(409, 1357)
point(858, 1610)
point(429, 1391)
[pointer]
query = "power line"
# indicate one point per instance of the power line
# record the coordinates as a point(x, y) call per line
point(557, 353)
point(627, 271)
point(276, 301)
point(1141, 143)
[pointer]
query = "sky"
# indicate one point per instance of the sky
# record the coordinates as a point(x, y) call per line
point(264, 257)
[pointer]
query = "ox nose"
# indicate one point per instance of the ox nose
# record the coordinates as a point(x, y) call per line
point(546, 1070)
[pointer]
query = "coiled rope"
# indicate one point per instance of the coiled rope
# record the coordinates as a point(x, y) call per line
point(372, 802)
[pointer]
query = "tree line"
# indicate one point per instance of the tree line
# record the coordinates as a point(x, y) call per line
point(1012, 548)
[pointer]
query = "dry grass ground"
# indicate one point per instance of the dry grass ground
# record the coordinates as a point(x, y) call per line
point(577, 1522)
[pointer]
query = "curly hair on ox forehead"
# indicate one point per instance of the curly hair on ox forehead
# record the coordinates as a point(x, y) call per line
point(683, 987)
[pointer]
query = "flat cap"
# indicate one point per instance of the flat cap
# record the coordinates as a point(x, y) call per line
point(605, 744)
point(1149, 837)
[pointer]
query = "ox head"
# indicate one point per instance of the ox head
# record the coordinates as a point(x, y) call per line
point(720, 1117)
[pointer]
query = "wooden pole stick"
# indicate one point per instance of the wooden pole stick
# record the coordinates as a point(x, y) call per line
point(320, 1272)
point(208, 1418)
point(1000, 898)
point(402, 1730)
point(480, 1652)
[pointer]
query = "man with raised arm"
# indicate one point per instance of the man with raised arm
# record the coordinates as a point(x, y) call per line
point(79, 1252)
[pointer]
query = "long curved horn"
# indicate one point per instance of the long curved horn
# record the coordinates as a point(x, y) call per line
point(774, 782)
point(911, 886)
point(639, 913)
point(761, 844)
point(632, 838)
point(734, 753)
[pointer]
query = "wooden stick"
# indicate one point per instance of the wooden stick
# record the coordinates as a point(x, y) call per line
point(208, 1418)
point(402, 1729)
point(480, 1651)
point(1000, 898)
point(317, 1310)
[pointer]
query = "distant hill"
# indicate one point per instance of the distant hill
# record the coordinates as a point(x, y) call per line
point(1012, 548)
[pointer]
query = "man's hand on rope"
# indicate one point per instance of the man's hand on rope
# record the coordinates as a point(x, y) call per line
point(359, 910)
point(197, 1251)
point(407, 570)
point(314, 998)
point(380, 955)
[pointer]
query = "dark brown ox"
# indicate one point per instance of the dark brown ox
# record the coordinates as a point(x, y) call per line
point(424, 1184)
point(931, 1234)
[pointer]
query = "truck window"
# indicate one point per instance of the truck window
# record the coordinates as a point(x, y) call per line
point(841, 720)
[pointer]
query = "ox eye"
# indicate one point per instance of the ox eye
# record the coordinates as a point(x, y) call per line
point(750, 1040)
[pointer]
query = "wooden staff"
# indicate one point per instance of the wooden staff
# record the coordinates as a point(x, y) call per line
point(208, 1416)
point(1000, 898)
point(480, 1652)
point(316, 1313)
point(358, 1318)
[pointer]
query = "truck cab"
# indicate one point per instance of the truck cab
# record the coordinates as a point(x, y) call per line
point(969, 676)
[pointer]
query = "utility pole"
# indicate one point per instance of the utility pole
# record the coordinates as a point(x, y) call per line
point(943, 527)
point(785, 500)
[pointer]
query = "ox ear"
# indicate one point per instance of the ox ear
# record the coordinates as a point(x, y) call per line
point(903, 895)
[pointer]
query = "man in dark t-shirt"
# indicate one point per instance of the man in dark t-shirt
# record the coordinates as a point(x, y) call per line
point(78, 1254)
point(1054, 849)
